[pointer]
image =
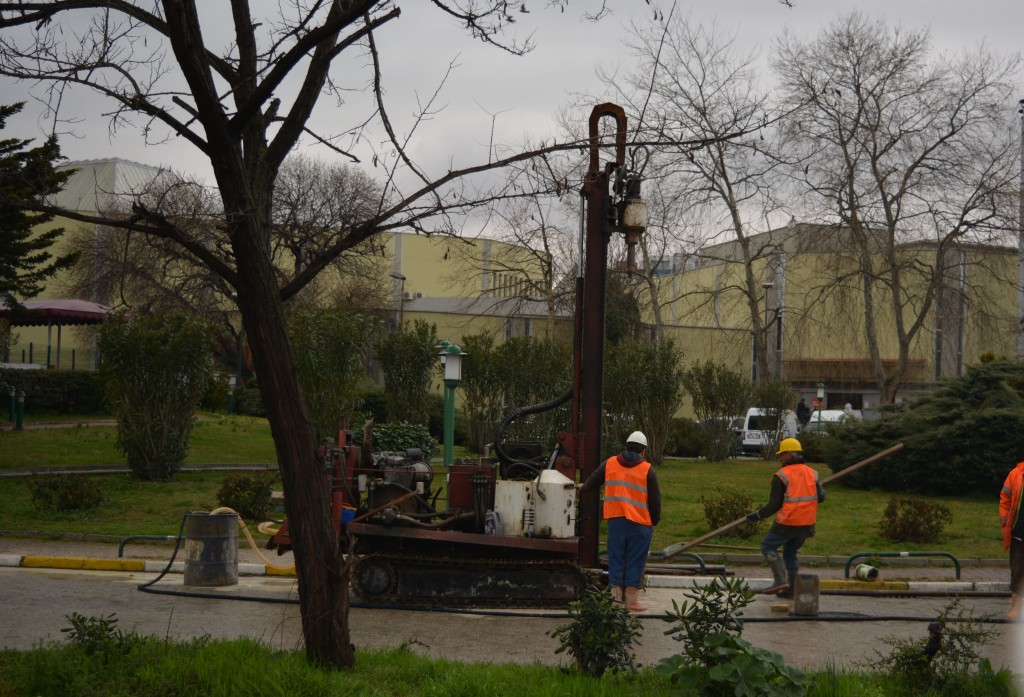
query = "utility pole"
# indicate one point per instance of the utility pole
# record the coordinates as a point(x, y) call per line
point(1020, 244)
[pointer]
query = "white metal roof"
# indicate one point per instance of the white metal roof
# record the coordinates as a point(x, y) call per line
point(100, 183)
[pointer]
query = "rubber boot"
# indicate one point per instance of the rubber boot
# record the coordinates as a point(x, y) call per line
point(791, 578)
point(632, 600)
point(617, 594)
point(779, 583)
point(1016, 600)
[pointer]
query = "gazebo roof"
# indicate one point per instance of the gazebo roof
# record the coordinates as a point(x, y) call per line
point(42, 313)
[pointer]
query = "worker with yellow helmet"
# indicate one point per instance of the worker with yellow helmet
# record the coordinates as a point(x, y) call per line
point(794, 498)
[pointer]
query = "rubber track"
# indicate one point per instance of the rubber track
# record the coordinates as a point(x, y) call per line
point(473, 583)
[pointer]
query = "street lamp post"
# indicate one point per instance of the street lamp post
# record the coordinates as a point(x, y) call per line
point(821, 401)
point(767, 285)
point(401, 295)
point(451, 358)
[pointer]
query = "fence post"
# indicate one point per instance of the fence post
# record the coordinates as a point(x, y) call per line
point(10, 402)
point(19, 422)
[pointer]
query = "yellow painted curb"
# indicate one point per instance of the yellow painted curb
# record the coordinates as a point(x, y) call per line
point(84, 563)
point(288, 571)
point(848, 584)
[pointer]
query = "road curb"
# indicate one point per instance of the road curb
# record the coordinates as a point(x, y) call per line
point(653, 581)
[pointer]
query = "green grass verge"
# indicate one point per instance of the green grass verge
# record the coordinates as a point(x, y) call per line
point(215, 439)
point(848, 521)
point(244, 668)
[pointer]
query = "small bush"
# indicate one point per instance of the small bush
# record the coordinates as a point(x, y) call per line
point(715, 659)
point(601, 635)
point(686, 438)
point(63, 493)
point(248, 494)
point(909, 519)
point(727, 505)
point(98, 635)
point(944, 661)
point(813, 445)
point(400, 436)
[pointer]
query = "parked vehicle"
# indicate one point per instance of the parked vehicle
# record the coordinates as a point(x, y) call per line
point(758, 429)
point(820, 422)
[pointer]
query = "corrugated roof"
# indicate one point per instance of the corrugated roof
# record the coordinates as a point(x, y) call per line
point(99, 183)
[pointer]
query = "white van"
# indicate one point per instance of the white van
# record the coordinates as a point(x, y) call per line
point(757, 429)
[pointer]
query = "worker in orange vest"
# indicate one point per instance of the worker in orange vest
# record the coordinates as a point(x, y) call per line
point(794, 498)
point(632, 507)
point(1012, 523)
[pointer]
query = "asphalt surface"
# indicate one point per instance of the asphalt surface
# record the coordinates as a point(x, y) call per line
point(43, 581)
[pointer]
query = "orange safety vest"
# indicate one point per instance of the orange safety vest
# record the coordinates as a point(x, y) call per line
point(800, 505)
point(1009, 502)
point(625, 491)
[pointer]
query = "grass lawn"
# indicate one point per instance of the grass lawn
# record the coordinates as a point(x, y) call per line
point(215, 438)
point(848, 522)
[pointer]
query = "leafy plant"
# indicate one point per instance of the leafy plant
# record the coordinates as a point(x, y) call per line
point(727, 505)
point(910, 519)
point(716, 661)
point(942, 661)
point(409, 361)
point(248, 494)
point(600, 636)
point(63, 493)
point(156, 369)
point(98, 635)
point(401, 436)
point(719, 394)
point(330, 348)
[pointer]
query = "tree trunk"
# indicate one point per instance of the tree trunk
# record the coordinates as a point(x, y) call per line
point(322, 574)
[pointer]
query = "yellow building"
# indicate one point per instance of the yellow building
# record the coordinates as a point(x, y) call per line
point(813, 301)
point(463, 286)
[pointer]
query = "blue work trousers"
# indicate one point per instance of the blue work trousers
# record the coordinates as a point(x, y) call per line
point(628, 545)
point(790, 546)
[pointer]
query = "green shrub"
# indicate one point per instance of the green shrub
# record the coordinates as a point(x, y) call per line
point(98, 635)
point(248, 401)
point(55, 391)
point(600, 636)
point(686, 438)
point(727, 505)
point(941, 663)
point(910, 519)
point(960, 439)
point(813, 445)
point(63, 493)
point(400, 436)
point(156, 369)
point(715, 660)
point(248, 494)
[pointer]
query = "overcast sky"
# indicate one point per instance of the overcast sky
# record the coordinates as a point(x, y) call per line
point(527, 92)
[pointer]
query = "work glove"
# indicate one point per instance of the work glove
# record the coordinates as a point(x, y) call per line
point(753, 517)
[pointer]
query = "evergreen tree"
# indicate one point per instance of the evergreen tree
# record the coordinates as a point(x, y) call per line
point(27, 175)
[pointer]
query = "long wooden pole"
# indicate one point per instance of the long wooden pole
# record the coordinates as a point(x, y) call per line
point(673, 550)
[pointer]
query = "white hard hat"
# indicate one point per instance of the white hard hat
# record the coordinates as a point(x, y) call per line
point(637, 437)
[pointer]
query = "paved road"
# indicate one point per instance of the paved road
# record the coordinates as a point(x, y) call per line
point(34, 603)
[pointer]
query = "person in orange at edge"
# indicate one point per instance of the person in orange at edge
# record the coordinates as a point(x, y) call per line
point(632, 507)
point(795, 495)
point(1012, 522)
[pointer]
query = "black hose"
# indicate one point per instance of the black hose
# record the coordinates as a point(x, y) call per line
point(499, 432)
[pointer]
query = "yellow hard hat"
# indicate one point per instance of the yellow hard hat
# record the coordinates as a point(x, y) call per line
point(790, 445)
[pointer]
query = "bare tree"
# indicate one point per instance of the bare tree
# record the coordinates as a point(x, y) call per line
point(901, 148)
point(245, 107)
point(536, 257)
point(692, 83)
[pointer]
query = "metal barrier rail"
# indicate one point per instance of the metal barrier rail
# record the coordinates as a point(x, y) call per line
point(849, 562)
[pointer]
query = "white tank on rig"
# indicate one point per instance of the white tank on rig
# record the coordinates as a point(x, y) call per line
point(544, 507)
